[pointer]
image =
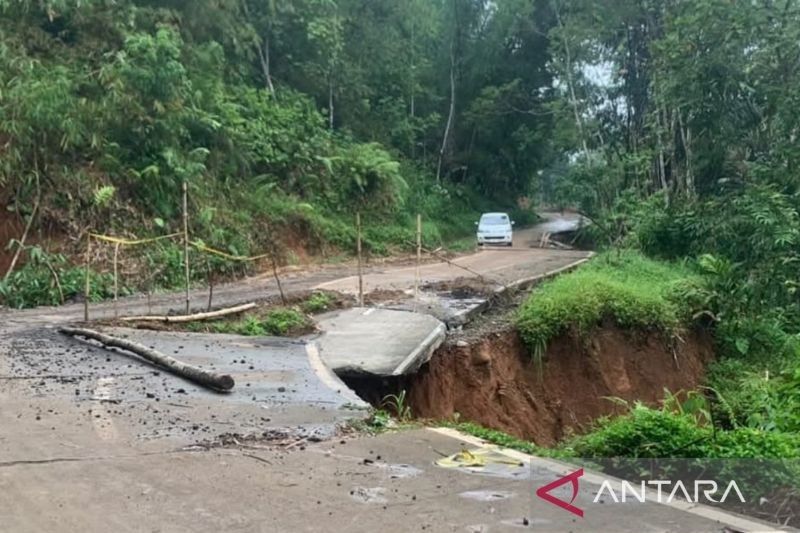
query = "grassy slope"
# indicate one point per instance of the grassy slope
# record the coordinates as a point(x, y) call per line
point(641, 293)
point(630, 289)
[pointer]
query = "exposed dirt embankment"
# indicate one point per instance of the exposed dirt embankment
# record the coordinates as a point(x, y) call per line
point(495, 383)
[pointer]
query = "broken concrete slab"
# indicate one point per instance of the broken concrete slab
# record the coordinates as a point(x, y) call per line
point(379, 342)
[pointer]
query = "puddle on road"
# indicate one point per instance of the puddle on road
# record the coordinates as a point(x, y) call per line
point(402, 471)
point(487, 495)
point(369, 495)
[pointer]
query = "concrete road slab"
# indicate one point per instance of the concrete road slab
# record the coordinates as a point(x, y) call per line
point(378, 342)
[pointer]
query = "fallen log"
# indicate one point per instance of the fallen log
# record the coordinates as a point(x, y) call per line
point(222, 382)
point(191, 318)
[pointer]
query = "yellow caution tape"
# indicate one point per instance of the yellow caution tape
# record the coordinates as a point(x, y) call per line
point(200, 246)
point(203, 248)
point(130, 242)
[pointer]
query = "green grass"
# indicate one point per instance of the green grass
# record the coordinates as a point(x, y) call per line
point(317, 303)
point(504, 439)
point(649, 432)
point(627, 287)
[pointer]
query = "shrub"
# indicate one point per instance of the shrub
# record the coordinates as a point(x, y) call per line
point(655, 433)
point(317, 302)
point(281, 321)
point(34, 284)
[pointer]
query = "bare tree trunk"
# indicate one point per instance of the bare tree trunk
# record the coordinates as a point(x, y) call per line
point(412, 90)
point(451, 112)
point(263, 56)
point(571, 87)
point(262, 47)
point(28, 226)
point(686, 139)
point(330, 101)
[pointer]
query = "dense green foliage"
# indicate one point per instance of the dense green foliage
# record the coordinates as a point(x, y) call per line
point(626, 288)
point(681, 143)
point(271, 111)
point(47, 279)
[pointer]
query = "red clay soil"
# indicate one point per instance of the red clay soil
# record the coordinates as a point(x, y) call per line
point(495, 383)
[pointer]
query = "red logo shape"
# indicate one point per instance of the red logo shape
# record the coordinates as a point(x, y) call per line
point(543, 492)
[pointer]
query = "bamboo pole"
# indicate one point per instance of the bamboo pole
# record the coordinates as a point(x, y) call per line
point(116, 279)
point(28, 224)
point(277, 279)
point(210, 285)
point(191, 318)
point(358, 251)
point(419, 256)
point(186, 242)
point(86, 285)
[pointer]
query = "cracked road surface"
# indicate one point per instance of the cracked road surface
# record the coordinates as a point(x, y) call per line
point(95, 441)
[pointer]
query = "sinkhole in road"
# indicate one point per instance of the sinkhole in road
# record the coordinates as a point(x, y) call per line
point(493, 380)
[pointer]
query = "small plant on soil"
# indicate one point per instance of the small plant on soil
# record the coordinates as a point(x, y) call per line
point(504, 439)
point(380, 420)
point(317, 302)
point(283, 320)
point(397, 404)
point(251, 326)
point(280, 322)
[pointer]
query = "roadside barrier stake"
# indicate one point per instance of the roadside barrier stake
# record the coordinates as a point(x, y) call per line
point(116, 279)
point(358, 249)
point(419, 259)
point(86, 286)
point(186, 242)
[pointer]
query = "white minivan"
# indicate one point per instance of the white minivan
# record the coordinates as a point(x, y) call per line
point(495, 228)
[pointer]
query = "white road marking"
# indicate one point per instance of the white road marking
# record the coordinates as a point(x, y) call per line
point(330, 379)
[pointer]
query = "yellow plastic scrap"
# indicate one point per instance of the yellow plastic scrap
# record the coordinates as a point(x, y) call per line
point(460, 459)
point(477, 457)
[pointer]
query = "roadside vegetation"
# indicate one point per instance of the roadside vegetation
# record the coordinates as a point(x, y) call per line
point(272, 320)
point(621, 286)
point(270, 113)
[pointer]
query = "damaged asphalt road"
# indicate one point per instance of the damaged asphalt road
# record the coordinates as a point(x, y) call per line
point(93, 440)
point(282, 389)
